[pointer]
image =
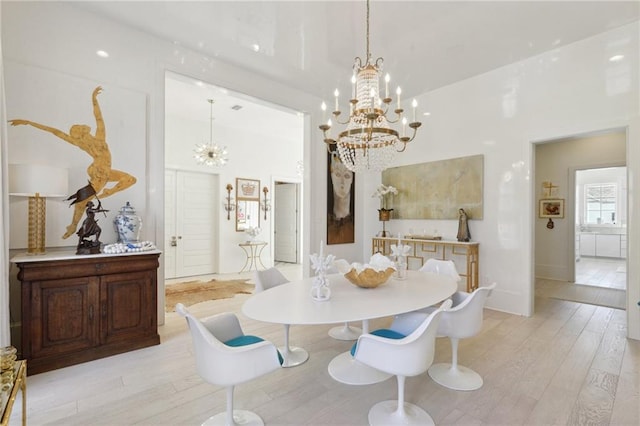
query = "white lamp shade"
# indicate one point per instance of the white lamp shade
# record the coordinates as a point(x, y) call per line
point(27, 179)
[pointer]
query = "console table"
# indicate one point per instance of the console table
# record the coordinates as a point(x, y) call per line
point(19, 383)
point(77, 308)
point(253, 251)
point(438, 249)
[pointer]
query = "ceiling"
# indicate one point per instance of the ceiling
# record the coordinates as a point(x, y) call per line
point(311, 45)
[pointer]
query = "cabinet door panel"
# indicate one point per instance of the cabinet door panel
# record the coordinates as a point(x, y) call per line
point(127, 306)
point(587, 245)
point(64, 316)
point(608, 245)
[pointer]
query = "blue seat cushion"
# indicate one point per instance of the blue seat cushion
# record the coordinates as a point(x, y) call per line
point(248, 340)
point(383, 332)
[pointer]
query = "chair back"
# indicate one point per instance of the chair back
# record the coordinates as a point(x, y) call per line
point(409, 356)
point(268, 278)
point(464, 319)
point(442, 267)
point(218, 363)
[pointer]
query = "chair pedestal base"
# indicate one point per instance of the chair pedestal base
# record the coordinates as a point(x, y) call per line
point(344, 369)
point(461, 378)
point(293, 356)
point(240, 417)
point(346, 332)
point(386, 413)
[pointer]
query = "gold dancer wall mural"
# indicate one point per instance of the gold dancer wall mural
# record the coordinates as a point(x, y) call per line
point(103, 179)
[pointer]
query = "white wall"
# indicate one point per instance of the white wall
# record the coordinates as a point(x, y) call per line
point(501, 114)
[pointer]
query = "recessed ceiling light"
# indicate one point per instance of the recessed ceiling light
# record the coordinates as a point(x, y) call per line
point(102, 53)
point(256, 47)
point(616, 58)
point(199, 84)
point(426, 114)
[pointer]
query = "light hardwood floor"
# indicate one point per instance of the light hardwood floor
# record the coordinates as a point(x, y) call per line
point(569, 363)
point(602, 272)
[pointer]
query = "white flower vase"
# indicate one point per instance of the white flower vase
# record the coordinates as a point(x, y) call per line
point(401, 268)
point(252, 233)
point(320, 290)
point(128, 225)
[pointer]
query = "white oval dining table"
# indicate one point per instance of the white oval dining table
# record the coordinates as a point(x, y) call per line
point(291, 303)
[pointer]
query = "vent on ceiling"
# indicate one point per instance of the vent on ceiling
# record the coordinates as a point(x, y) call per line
point(236, 107)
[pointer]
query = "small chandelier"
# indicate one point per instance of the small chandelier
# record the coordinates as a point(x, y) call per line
point(369, 143)
point(210, 154)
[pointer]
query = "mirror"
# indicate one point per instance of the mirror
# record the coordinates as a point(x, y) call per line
point(247, 204)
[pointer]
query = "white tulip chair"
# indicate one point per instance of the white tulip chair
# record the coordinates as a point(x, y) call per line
point(226, 357)
point(442, 267)
point(462, 321)
point(404, 351)
point(264, 280)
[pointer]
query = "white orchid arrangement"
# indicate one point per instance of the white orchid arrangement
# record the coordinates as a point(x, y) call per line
point(253, 231)
point(400, 250)
point(382, 192)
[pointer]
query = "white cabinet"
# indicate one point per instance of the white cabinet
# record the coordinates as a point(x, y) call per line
point(587, 244)
point(603, 245)
point(607, 245)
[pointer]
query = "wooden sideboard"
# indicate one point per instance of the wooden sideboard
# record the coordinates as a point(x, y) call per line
point(422, 250)
point(79, 308)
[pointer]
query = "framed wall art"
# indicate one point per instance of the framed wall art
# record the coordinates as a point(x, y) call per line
point(552, 208)
point(437, 189)
point(247, 204)
point(340, 201)
point(247, 189)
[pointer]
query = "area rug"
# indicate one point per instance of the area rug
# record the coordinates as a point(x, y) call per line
point(609, 297)
point(192, 292)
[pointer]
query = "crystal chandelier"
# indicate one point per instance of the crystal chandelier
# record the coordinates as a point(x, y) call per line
point(369, 143)
point(210, 154)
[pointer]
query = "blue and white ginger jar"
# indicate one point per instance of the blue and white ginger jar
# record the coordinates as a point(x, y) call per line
point(128, 225)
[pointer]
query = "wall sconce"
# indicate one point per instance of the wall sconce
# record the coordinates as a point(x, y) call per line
point(265, 205)
point(37, 182)
point(229, 205)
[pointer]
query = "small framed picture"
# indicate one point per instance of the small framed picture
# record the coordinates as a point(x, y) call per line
point(552, 207)
point(247, 189)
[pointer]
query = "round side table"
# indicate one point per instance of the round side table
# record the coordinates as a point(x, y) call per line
point(253, 250)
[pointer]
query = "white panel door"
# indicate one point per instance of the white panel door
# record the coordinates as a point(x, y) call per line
point(286, 223)
point(169, 253)
point(192, 239)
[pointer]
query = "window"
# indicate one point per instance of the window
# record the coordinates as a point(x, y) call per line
point(600, 205)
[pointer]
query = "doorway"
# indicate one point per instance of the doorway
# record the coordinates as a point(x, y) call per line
point(557, 247)
point(286, 222)
point(601, 222)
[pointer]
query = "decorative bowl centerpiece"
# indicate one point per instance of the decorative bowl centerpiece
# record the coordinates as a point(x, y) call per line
point(372, 274)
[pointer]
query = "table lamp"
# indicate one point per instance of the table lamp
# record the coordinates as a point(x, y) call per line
point(37, 182)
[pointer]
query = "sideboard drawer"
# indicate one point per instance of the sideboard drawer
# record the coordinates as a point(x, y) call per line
point(59, 269)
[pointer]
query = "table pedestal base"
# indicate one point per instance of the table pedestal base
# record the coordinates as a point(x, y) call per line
point(293, 356)
point(347, 370)
point(345, 332)
point(386, 413)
